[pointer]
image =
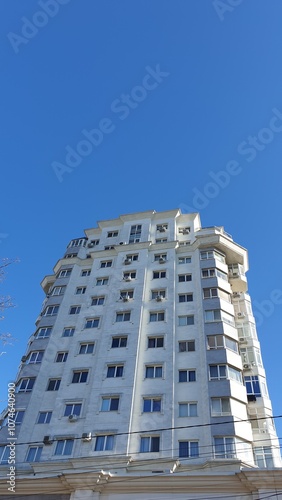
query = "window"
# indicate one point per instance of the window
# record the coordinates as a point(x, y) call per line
point(18, 418)
point(92, 323)
point(154, 371)
point(161, 240)
point(224, 447)
point(35, 357)
point(187, 375)
point(64, 273)
point(211, 273)
point(219, 372)
point(126, 294)
point(85, 272)
point(155, 342)
point(185, 297)
point(159, 274)
point(102, 281)
point(213, 315)
point(93, 243)
point(251, 355)
point(184, 260)
point(119, 342)
point(51, 310)
point(220, 341)
point(220, 407)
point(68, 332)
point(4, 454)
point(131, 258)
point(70, 255)
point(123, 316)
point(58, 290)
point(162, 227)
point(72, 409)
point(212, 254)
point(104, 443)
point(79, 377)
point(184, 277)
point(135, 233)
point(210, 293)
point(160, 257)
point(62, 357)
point(129, 275)
point(184, 230)
point(112, 234)
point(185, 320)
point(98, 301)
point(26, 384)
point(157, 316)
point(109, 247)
point(86, 348)
point(53, 384)
point(149, 444)
point(187, 409)
point(184, 243)
point(189, 449)
point(80, 290)
point(252, 385)
point(34, 453)
point(263, 457)
point(75, 310)
point(152, 405)
point(78, 242)
point(43, 333)
point(64, 447)
point(114, 371)
point(106, 263)
point(158, 294)
point(110, 404)
point(44, 417)
point(186, 345)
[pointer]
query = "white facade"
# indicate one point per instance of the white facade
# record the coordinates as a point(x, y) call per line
point(146, 348)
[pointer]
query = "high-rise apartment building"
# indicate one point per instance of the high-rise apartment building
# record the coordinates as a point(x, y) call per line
point(145, 352)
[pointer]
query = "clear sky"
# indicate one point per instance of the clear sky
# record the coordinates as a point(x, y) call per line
point(115, 107)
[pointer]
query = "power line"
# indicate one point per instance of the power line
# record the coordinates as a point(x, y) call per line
point(161, 429)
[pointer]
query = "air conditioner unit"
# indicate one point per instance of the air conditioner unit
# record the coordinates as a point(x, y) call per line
point(246, 366)
point(72, 418)
point(242, 340)
point(162, 229)
point(236, 294)
point(127, 278)
point(235, 275)
point(127, 261)
point(24, 358)
point(122, 243)
point(159, 298)
point(86, 436)
point(162, 260)
point(47, 440)
point(125, 299)
point(90, 245)
point(241, 315)
point(185, 231)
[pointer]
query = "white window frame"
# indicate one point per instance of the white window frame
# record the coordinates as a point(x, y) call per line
point(30, 381)
point(44, 332)
point(64, 451)
point(100, 299)
point(85, 272)
point(186, 346)
point(159, 315)
point(63, 355)
point(184, 260)
point(187, 278)
point(75, 308)
point(157, 371)
point(58, 290)
point(220, 407)
point(102, 281)
point(80, 290)
point(154, 404)
point(186, 322)
point(87, 345)
point(92, 322)
point(51, 310)
point(187, 409)
point(107, 402)
point(105, 264)
point(147, 444)
point(35, 357)
point(120, 339)
point(70, 330)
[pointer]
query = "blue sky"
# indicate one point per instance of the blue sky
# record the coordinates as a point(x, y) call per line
point(186, 102)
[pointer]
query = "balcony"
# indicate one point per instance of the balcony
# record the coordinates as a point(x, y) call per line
point(237, 278)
